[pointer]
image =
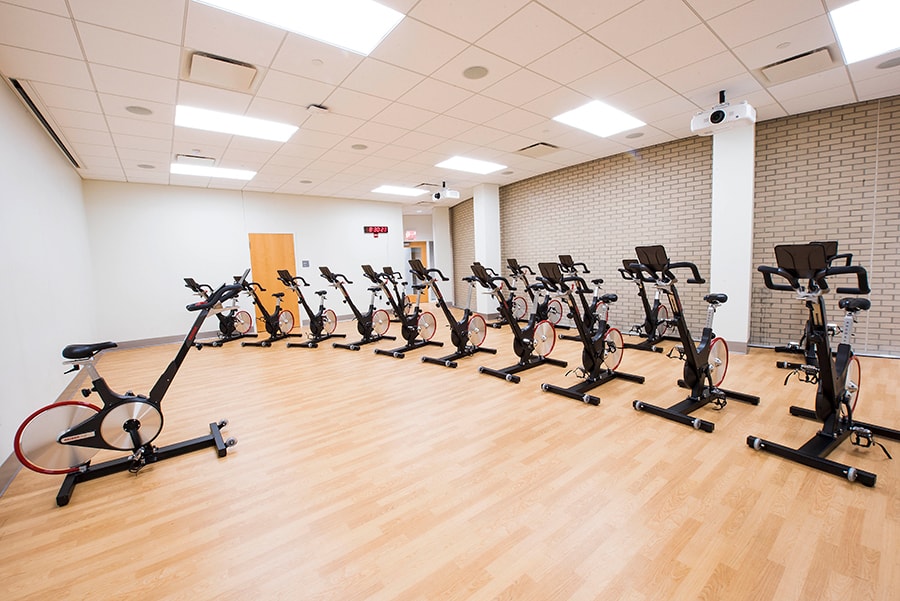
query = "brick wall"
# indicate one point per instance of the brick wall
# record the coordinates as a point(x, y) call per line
point(832, 174)
point(599, 211)
point(462, 235)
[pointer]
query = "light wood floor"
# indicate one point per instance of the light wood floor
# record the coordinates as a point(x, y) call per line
point(363, 477)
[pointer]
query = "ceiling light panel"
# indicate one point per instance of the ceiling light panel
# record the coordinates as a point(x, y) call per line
point(227, 123)
point(599, 119)
point(399, 191)
point(355, 25)
point(480, 167)
point(867, 28)
point(205, 171)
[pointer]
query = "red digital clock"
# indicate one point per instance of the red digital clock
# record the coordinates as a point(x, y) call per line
point(375, 229)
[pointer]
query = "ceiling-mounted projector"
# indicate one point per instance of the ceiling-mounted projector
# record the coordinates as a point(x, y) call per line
point(721, 117)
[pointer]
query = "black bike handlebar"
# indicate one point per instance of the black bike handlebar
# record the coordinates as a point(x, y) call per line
point(696, 279)
point(224, 293)
point(819, 278)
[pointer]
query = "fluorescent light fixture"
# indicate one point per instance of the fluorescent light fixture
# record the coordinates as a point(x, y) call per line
point(227, 123)
point(355, 25)
point(399, 191)
point(867, 28)
point(599, 119)
point(203, 171)
point(470, 165)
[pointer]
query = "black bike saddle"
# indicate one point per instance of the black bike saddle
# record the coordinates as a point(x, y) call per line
point(83, 351)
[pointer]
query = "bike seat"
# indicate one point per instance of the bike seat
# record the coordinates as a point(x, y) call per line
point(716, 298)
point(597, 281)
point(419, 287)
point(852, 305)
point(609, 298)
point(374, 288)
point(278, 294)
point(83, 351)
point(321, 292)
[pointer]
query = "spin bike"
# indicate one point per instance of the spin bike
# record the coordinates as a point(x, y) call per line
point(416, 326)
point(278, 323)
point(656, 317)
point(705, 365)
point(468, 332)
point(522, 305)
point(533, 343)
point(568, 267)
point(804, 346)
point(322, 323)
point(63, 437)
point(371, 325)
point(805, 267)
point(603, 346)
point(234, 322)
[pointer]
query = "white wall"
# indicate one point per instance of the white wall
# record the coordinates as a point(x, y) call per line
point(421, 224)
point(44, 259)
point(145, 239)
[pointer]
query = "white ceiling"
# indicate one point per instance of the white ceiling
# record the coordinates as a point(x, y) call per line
point(408, 102)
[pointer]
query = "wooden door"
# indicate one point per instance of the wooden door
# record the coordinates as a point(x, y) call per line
point(268, 254)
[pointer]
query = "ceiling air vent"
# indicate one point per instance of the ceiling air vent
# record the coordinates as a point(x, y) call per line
point(538, 150)
point(28, 100)
point(798, 66)
point(221, 72)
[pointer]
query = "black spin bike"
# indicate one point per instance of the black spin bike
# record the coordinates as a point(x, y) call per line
point(322, 323)
point(371, 325)
point(234, 322)
point(805, 268)
point(278, 323)
point(61, 438)
point(417, 327)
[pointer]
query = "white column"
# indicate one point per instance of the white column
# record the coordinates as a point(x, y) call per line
point(731, 263)
point(443, 249)
point(486, 208)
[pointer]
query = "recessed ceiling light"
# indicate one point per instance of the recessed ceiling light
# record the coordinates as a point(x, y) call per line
point(138, 110)
point(146, 166)
point(599, 119)
point(867, 28)
point(203, 171)
point(889, 64)
point(399, 191)
point(783, 45)
point(359, 147)
point(475, 72)
point(305, 181)
point(470, 165)
point(507, 173)
point(635, 135)
point(238, 125)
point(355, 25)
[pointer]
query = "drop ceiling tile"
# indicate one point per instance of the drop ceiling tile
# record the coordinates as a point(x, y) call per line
point(707, 9)
point(96, 150)
point(481, 135)
point(52, 95)
point(520, 87)
point(557, 102)
point(435, 95)
point(404, 47)
point(381, 79)
point(160, 19)
point(56, 7)
point(479, 109)
point(819, 99)
point(528, 35)
point(121, 82)
point(610, 80)
point(341, 125)
point(692, 45)
point(803, 37)
point(878, 87)
point(142, 143)
point(224, 34)
point(446, 126)
point(405, 116)
point(244, 159)
point(138, 127)
point(316, 60)
point(88, 136)
point(109, 47)
point(101, 163)
point(310, 137)
point(640, 95)
point(378, 132)
point(457, 19)
point(134, 156)
point(284, 87)
point(575, 59)
point(819, 82)
point(516, 120)
point(396, 153)
point(644, 24)
point(737, 88)
point(137, 175)
point(418, 140)
point(472, 56)
point(586, 15)
point(214, 99)
point(281, 112)
point(38, 31)
point(66, 118)
point(868, 69)
point(673, 105)
point(115, 106)
point(710, 71)
point(355, 104)
point(34, 66)
point(761, 18)
point(297, 155)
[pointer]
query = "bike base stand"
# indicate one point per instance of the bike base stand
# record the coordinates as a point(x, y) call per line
point(579, 391)
point(680, 412)
point(151, 455)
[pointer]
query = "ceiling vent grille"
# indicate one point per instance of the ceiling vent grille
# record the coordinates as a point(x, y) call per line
point(538, 150)
point(221, 72)
point(39, 115)
point(798, 66)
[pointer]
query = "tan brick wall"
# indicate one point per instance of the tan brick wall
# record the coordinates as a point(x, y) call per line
point(462, 235)
point(831, 175)
point(599, 211)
